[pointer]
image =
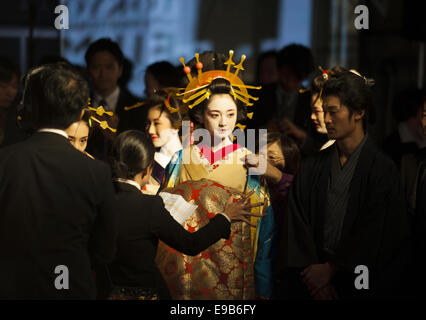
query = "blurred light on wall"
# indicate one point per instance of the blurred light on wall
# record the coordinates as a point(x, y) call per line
point(294, 22)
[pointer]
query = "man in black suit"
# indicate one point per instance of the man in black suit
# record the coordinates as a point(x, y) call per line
point(55, 224)
point(104, 61)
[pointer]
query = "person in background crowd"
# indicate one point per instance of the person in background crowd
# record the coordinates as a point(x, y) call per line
point(284, 106)
point(162, 123)
point(104, 62)
point(317, 114)
point(161, 75)
point(267, 70)
point(10, 132)
point(283, 161)
point(408, 138)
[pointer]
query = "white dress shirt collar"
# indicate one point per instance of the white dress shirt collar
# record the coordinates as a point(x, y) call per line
point(57, 131)
point(111, 100)
point(128, 181)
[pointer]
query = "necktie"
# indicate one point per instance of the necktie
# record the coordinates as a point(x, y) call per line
point(104, 104)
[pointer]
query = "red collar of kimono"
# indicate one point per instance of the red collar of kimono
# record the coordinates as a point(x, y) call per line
point(212, 157)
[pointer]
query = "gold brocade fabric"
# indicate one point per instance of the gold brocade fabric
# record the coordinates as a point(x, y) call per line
point(228, 171)
point(222, 271)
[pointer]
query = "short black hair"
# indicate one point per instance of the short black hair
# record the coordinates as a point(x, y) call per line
point(7, 69)
point(299, 58)
point(289, 148)
point(132, 152)
point(54, 95)
point(104, 44)
point(213, 61)
point(354, 92)
point(165, 73)
point(407, 103)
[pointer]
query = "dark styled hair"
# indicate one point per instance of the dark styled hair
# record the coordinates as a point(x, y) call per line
point(54, 95)
point(317, 82)
point(104, 44)
point(354, 92)
point(289, 148)
point(299, 58)
point(132, 153)
point(158, 101)
point(213, 61)
point(7, 69)
point(165, 73)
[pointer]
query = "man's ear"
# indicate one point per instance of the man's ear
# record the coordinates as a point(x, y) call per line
point(120, 71)
point(359, 115)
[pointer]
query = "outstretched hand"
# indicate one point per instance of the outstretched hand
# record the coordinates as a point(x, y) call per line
point(237, 211)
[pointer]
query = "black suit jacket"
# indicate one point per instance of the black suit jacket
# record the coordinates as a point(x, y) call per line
point(53, 211)
point(143, 221)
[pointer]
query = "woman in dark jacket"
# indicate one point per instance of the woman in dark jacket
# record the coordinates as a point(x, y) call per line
point(143, 219)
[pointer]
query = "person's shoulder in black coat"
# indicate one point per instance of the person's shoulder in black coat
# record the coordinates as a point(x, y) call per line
point(54, 212)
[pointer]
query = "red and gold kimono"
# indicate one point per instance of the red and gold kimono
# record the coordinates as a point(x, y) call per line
point(225, 269)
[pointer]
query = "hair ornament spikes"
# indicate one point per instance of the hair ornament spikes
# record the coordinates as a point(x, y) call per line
point(196, 89)
point(103, 124)
point(368, 81)
point(100, 111)
point(136, 105)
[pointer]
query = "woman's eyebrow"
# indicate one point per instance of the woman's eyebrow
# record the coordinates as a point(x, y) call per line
point(331, 107)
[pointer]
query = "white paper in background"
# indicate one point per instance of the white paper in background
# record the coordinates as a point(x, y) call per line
point(179, 208)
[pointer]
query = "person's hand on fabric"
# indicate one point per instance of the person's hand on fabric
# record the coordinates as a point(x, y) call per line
point(291, 129)
point(259, 165)
point(237, 210)
point(317, 276)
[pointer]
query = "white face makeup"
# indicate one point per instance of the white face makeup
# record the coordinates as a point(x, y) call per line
point(220, 116)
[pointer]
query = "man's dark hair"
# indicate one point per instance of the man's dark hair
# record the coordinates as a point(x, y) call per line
point(318, 82)
point(299, 58)
point(54, 95)
point(132, 153)
point(165, 73)
point(407, 103)
point(354, 92)
point(104, 44)
point(7, 69)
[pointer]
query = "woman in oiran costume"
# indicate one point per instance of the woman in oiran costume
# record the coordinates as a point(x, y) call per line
point(207, 173)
